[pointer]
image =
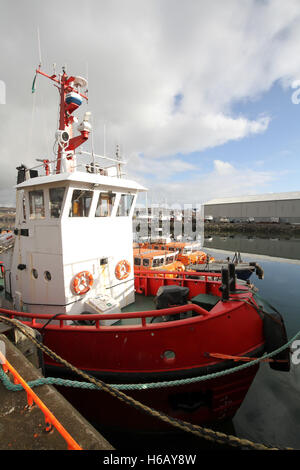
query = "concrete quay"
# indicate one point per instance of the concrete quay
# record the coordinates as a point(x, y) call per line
point(24, 428)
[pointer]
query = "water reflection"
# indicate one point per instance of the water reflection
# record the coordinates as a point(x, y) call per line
point(270, 414)
point(278, 247)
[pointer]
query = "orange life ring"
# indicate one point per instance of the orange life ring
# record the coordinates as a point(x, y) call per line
point(178, 266)
point(82, 282)
point(122, 270)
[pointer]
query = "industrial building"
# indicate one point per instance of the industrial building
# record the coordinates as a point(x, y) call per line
point(7, 217)
point(272, 207)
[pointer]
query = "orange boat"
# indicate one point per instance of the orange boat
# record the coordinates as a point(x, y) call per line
point(157, 260)
point(188, 253)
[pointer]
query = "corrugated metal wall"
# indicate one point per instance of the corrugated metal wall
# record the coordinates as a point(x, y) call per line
point(285, 210)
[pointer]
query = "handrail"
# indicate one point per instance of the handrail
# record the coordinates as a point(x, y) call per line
point(97, 318)
point(111, 316)
point(33, 398)
point(155, 273)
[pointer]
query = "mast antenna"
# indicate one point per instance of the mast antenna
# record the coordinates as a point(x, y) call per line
point(93, 153)
point(39, 46)
point(87, 74)
point(104, 139)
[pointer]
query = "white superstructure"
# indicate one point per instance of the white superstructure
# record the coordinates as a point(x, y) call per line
point(73, 249)
point(66, 224)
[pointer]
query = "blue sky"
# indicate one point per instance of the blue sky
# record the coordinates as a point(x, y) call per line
point(278, 148)
point(275, 151)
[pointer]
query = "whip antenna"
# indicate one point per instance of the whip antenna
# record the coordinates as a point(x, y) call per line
point(39, 46)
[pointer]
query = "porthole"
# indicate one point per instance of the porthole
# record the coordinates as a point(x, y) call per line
point(34, 273)
point(47, 275)
point(168, 356)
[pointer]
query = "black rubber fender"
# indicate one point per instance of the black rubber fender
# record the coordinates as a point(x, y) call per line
point(259, 271)
point(275, 337)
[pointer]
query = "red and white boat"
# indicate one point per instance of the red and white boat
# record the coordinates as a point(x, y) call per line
point(70, 275)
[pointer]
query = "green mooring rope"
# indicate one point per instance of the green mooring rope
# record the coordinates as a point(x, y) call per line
point(142, 386)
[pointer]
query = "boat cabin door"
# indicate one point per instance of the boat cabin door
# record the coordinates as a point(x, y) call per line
point(7, 282)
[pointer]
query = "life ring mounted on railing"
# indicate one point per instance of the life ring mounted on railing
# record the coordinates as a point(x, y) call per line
point(179, 267)
point(122, 270)
point(82, 282)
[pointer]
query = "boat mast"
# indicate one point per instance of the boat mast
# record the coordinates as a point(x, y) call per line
point(62, 116)
point(70, 100)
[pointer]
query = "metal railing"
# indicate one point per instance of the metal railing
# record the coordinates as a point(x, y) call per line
point(32, 398)
point(32, 319)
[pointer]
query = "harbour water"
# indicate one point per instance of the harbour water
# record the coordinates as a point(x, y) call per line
point(270, 413)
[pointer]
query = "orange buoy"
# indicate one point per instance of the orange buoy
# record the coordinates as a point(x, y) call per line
point(122, 270)
point(82, 282)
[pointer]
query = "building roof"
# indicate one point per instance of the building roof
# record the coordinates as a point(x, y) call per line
point(255, 198)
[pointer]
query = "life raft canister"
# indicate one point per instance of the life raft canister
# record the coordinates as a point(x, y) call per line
point(122, 270)
point(82, 282)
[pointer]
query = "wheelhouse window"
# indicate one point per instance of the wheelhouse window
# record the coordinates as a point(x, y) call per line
point(36, 204)
point(137, 261)
point(56, 197)
point(125, 205)
point(146, 262)
point(105, 204)
point(24, 208)
point(81, 203)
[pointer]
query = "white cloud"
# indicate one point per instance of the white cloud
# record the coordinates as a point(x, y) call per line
point(183, 133)
point(224, 180)
point(161, 169)
point(223, 168)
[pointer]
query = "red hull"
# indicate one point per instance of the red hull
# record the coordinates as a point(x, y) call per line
point(136, 353)
point(209, 402)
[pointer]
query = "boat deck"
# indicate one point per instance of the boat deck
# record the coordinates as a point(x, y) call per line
point(141, 303)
